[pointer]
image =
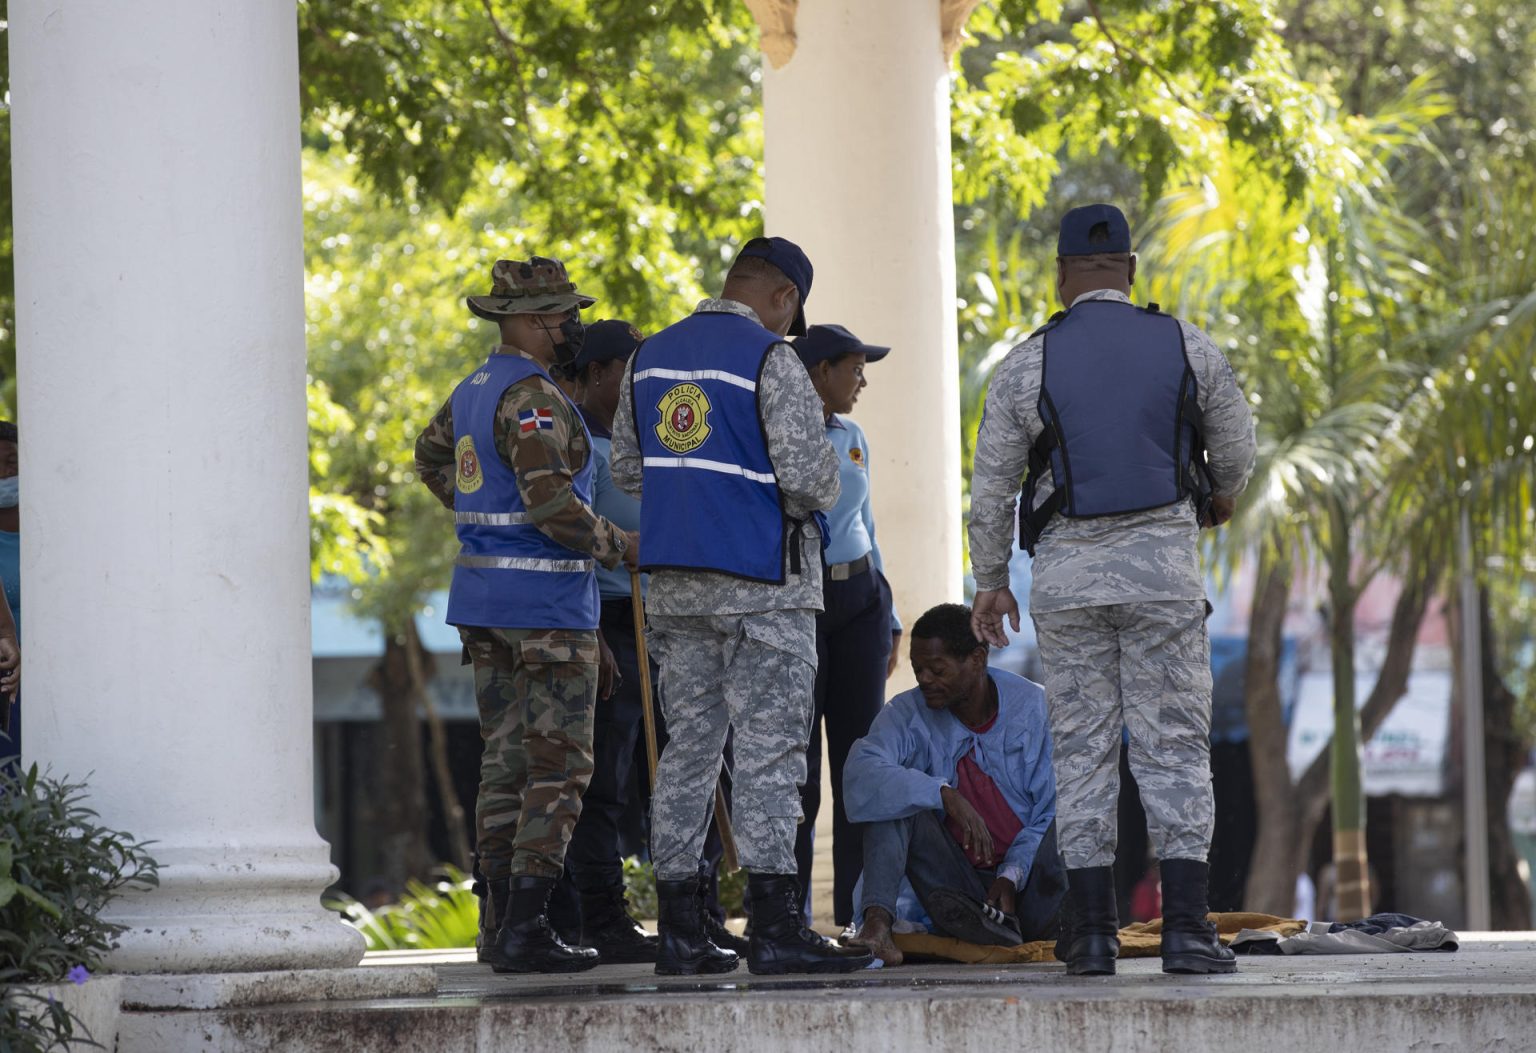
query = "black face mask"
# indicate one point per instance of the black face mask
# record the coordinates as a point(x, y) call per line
point(575, 336)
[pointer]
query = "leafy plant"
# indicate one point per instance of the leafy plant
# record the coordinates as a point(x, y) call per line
point(59, 867)
point(442, 916)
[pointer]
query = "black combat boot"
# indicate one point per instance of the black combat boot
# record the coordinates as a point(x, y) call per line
point(781, 943)
point(526, 943)
point(1091, 923)
point(493, 906)
point(686, 948)
point(1190, 944)
point(609, 927)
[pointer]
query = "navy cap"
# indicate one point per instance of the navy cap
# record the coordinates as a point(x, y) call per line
point(787, 257)
point(606, 341)
point(1075, 225)
point(824, 342)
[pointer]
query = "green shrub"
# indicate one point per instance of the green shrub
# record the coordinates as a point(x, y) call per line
point(446, 914)
point(58, 868)
point(437, 917)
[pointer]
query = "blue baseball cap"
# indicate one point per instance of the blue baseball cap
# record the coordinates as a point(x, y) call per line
point(606, 341)
point(824, 342)
point(1075, 225)
point(787, 257)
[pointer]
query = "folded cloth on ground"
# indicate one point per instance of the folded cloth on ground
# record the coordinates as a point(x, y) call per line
point(1142, 940)
point(1367, 937)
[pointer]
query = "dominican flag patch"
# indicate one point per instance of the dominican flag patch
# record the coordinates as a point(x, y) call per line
point(534, 419)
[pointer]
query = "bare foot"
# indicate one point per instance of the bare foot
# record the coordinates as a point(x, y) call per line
point(875, 934)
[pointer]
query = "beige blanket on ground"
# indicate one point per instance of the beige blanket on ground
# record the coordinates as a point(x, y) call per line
point(1142, 940)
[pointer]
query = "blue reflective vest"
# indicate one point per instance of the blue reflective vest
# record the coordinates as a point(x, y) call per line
point(711, 496)
point(1122, 425)
point(509, 574)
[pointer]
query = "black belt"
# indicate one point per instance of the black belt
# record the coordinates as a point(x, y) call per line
point(844, 571)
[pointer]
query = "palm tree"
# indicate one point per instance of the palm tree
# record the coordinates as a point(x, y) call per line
point(1318, 298)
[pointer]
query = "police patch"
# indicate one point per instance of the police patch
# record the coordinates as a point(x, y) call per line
point(856, 455)
point(469, 477)
point(684, 423)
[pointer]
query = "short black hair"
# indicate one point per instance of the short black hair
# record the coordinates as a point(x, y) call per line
point(750, 268)
point(950, 624)
point(8, 432)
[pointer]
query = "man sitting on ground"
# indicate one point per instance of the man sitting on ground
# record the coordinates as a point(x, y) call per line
point(954, 781)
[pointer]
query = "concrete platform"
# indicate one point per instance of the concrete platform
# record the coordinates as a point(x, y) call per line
point(1482, 998)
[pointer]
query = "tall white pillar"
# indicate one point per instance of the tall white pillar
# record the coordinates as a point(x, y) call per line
point(857, 135)
point(159, 281)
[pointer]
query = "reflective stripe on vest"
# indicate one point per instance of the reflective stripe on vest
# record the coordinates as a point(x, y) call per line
point(712, 499)
point(546, 566)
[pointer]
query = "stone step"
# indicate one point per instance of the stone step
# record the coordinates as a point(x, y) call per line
point(1482, 998)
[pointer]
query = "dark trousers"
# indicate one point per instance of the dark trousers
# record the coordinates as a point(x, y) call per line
point(10, 740)
point(923, 850)
point(853, 645)
point(594, 858)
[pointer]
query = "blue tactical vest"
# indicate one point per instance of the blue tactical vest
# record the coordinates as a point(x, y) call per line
point(711, 497)
point(509, 574)
point(1122, 422)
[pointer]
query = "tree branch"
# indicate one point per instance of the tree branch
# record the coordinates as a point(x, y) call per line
point(1124, 53)
point(510, 47)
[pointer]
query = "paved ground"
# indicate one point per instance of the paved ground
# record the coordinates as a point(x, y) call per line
point(1482, 998)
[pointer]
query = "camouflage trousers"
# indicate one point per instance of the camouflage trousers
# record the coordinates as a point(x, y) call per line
point(751, 672)
point(1146, 667)
point(536, 690)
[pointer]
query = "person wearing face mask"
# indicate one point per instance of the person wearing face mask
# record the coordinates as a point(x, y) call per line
point(10, 610)
point(720, 433)
point(509, 454)
point(857, 633)
point(955, 784)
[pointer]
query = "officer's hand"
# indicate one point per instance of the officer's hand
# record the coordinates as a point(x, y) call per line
point(988, 612)
point(895, 658)
point(1002, 894)
point(1221, 511)
point(631, 550)
point(10, 662)
point(608, 676)
point(974, 833)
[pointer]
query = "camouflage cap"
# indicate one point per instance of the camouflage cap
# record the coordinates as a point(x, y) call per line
point(538, 285)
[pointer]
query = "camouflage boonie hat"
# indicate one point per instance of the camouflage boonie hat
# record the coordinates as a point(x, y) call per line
point(538, 285)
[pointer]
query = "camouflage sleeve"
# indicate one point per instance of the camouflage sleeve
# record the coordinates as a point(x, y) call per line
point(1229, 440)
point(1009, 426)
point(435, 461)
point(624, 461)
point(545, 460)
point(803, 457)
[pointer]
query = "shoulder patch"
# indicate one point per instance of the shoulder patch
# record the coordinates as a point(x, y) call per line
point(856, 455)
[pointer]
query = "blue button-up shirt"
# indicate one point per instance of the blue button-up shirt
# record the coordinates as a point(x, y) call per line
point(851, 524)
point(613, 505)
point(912, 752)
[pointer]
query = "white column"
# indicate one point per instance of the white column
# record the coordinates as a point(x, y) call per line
point(159, 281)
point(858, 173)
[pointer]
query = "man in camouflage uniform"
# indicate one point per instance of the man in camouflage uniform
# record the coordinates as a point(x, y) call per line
point(1118, 597)
point(718, 422)
point(510, 455)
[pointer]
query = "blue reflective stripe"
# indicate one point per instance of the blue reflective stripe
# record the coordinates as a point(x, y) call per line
point(697, 375)
point(722, 467)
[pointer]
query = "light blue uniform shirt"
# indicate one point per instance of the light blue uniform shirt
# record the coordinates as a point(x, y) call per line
point(911, 752)
point(851, 524)
point(10, 572)
point(615, 506)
